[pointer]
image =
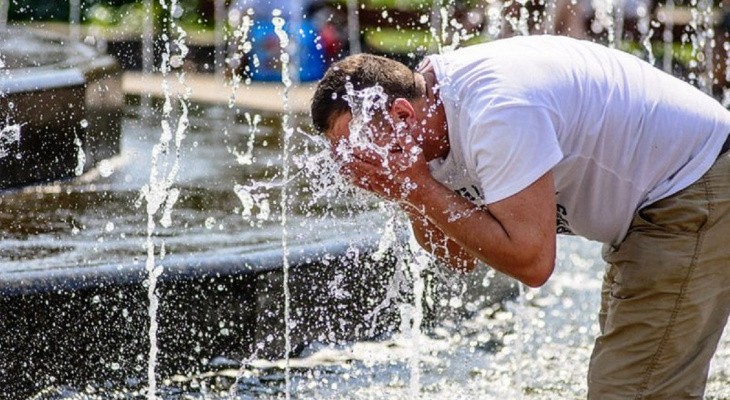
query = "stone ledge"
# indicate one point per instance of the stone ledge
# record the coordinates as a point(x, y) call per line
point(207, 88)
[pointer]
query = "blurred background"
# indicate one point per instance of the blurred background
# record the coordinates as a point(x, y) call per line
point(684, 37)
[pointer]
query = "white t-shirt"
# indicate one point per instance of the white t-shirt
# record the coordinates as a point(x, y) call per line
point(617, 133)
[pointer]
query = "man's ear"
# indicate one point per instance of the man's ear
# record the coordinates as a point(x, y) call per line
point(402, 111)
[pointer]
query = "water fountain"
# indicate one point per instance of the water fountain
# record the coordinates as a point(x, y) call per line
point(64, 98)
point(269, 284)
point(75, 257)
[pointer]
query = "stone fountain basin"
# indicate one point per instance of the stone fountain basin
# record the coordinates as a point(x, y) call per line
point(59, 91)
point(76, 326)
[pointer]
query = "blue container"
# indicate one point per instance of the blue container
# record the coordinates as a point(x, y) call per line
point(310, 58)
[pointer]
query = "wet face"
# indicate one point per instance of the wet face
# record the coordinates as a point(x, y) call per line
point(387, 130)
point(378, 135)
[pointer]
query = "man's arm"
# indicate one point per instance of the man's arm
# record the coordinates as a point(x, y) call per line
point(435, 242)
point(515, 236)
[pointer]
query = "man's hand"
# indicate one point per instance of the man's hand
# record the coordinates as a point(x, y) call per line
point(393, 176)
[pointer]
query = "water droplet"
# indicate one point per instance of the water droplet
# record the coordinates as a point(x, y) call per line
point(80, 157)
point(106, 168)
point(176, 11)
point(176, 61)
point(209, 222)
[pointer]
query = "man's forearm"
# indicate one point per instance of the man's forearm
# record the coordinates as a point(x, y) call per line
point(515, 235)
point(519, 247)
point(433, 240)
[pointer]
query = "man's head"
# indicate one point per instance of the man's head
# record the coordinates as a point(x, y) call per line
point(362, 71)
point(408, 108)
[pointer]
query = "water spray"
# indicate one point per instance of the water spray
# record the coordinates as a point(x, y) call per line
point(159, 193)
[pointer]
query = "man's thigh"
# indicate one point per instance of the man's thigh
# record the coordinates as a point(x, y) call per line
point(666, 298)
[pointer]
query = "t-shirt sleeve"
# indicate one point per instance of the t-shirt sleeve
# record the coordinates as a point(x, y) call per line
point(511, 148)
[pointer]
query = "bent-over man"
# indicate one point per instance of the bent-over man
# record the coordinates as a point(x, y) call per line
point(484, 144)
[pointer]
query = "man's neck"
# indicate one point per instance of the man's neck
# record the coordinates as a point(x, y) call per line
point(435, 137)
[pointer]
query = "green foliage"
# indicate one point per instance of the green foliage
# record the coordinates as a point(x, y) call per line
point(391, 40)
point(130, 16)
point(107, 13)
point(682, 53)
point(41, 10)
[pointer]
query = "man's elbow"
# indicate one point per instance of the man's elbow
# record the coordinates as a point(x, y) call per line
point(537, 273)
point(536, 261)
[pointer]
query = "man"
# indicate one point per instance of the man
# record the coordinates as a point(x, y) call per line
point(484, 144)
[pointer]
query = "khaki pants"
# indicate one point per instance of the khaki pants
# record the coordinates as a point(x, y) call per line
point(666, 296)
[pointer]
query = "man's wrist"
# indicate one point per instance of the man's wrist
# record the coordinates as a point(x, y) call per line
point(415, 195)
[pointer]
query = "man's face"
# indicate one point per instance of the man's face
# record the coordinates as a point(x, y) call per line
point(377, 135)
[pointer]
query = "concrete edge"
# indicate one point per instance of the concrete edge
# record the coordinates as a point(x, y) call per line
point(175, 268)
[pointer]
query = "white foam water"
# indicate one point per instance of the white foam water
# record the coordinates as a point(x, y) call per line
point(9, 136)
point(285, 59)
point(160, 194)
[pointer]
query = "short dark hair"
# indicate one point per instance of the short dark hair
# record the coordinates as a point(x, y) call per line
point(363, 71)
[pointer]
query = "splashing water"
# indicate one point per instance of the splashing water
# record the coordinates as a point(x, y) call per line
point(364, 105)
point(160, 191)
point(518, 351)
point(253, 197)
point(9, 135)
point(703, 43)
point(438, 25)
point(285, 78)
point(420, 261)
point(247, 157)
point(80, 157)
point(353, 27)
point(317, 168)
point(75, 19)
point(324, 183)
point(242, 45)
point(605, 19)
